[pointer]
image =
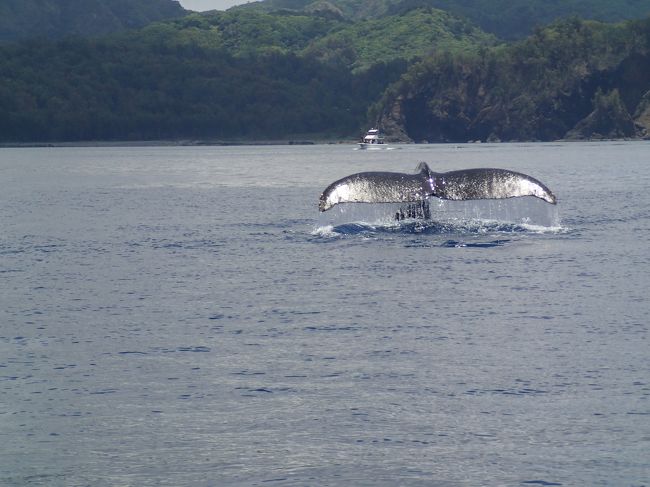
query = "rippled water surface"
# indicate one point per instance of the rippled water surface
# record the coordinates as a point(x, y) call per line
point(184, 316)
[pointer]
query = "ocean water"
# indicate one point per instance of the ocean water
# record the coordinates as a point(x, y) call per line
point(184, 316)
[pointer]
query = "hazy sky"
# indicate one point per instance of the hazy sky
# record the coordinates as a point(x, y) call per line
point(201, 5)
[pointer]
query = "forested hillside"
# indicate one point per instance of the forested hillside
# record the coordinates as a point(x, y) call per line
point(113, 90)
point(575, 79)
point(219, 75)
point(421, 74)
point(24, 19)
point(204, 76)
point(510, 19)
point(415, 34)
point(507, 19)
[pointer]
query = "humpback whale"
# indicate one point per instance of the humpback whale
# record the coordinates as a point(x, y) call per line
point(415, 189)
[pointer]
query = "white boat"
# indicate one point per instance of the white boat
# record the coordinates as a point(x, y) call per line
point(373, 140)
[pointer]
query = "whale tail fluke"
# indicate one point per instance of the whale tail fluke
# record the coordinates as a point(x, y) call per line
point(489, 183)
point(466, 184)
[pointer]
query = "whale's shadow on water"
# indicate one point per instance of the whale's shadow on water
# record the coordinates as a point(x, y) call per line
point(470, 234)
point(452, 224)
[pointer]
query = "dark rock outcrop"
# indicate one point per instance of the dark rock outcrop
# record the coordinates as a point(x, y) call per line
point(608, 120)
point(573, 80)
point(642, 116)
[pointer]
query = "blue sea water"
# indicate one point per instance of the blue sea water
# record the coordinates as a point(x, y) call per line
point(184, 316)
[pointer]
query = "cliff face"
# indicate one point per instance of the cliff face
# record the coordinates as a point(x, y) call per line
point(642, 115)
point(608, 120)
point(24, 19)
point(575, 80)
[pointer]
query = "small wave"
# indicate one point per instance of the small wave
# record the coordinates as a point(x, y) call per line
point(472, 216)
point(421, 227)
point(539, 482)
point(478, 245)
point(177, 245)
point(336, 231)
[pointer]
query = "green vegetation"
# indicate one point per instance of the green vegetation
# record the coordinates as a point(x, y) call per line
point(24, 19)
point(114, 89)
point(410, 36)
point(507, 19)
point(610, 116)
point(242, 33)
point(516, 19)
point(311, 69)
point(220, 75)
point(352, 10)
point(538, 89)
